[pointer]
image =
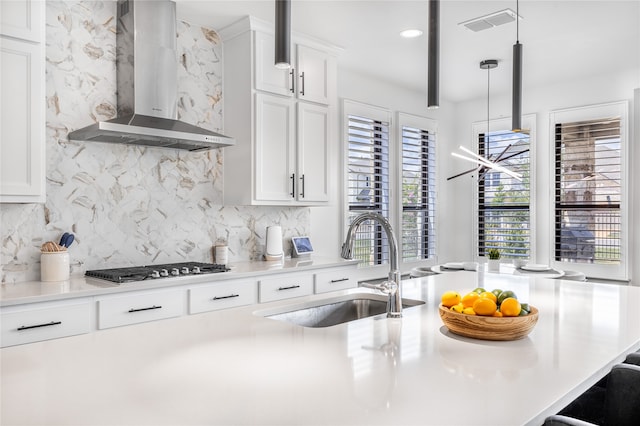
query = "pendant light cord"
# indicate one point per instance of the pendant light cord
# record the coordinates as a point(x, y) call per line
point(486, 142)
point(517, 21)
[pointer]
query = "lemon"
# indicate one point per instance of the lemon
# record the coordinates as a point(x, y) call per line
point(510, 307)
point(450, 298)
point(469, 298)
point(457, 308)
point(484, 306)
point(488, 295)
point(469, 311)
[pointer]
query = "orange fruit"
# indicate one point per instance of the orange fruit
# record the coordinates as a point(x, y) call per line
point(450, 298)
point(489, 295)
point(469, 298)
point(497, 314)
point(484, 306)
point(510, 307)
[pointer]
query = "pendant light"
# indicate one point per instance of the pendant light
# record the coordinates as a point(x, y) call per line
point(482, 162)
point(516, 101)
point(283, 34)
point(433, 55)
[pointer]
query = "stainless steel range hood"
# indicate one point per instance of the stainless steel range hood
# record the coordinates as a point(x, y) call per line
point(147, 68)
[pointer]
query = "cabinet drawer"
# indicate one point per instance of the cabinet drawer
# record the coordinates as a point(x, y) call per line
point(140, 307)
point(335, 279)
point(223, 295)
point(285, 287)
point(52, 322)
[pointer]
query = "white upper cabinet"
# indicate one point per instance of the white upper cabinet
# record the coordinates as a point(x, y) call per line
point(308, 78)
point(23, 19)
point(22, 118)
point(281, 119)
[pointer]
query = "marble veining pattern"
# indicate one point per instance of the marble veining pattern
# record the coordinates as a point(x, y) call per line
point(129, 205)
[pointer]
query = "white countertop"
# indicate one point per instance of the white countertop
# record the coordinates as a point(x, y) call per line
point(235, 367)
point(79, 286)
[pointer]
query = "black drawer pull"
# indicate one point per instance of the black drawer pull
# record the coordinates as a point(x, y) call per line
point(28, 327)
point(225, 297)
point(340, 280)
point(145, 309)
point(289, 288)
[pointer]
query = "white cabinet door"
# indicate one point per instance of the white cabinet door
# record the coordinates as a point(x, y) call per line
point(222, 295)
point(45, 321)
point(313, 74)
point(279, 287)
point(336, 279)
point(313, 156)
point(268, 78)
point(275, 149)
point(22, 19)
point(22, 121)
point(115, 311)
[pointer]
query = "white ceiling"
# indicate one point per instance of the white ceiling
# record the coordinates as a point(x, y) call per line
point(562, 40)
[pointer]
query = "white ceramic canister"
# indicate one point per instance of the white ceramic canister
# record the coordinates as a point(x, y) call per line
point(54, 266)
point(221, 255)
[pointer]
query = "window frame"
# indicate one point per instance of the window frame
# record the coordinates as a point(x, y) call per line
point(585, 113)
point(431, 126)
point(502, 124)
point(351, 107)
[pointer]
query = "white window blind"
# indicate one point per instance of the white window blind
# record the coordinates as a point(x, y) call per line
point(504, 220)
point(368, 184)
point(588, 178)
point(418, 194)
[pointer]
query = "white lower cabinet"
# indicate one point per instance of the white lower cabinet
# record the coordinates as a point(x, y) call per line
point(285, 286)
point(134, 308)
point(44, 321)
point(335, 279)
point(222, 295)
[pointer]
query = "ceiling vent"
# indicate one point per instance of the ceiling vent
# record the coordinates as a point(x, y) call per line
point(491, 20)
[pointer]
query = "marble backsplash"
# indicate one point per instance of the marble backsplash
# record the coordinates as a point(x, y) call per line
point(129, 205)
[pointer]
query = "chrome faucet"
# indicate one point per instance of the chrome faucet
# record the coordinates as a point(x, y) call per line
point(392, 286)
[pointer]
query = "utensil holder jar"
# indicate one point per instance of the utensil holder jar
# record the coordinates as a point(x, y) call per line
point(54, 266)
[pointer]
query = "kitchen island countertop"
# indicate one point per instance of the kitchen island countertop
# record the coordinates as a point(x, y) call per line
point(237, 367)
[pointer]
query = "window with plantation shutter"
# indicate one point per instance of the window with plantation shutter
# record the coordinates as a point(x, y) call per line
point(590, 204)
point(368, 183)
point(587, 191)
point(504, 214)
point(418, 193)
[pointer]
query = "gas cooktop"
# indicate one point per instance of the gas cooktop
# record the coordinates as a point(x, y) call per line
point(152, 272)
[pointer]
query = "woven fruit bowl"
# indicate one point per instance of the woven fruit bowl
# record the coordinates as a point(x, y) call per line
point(489, 328)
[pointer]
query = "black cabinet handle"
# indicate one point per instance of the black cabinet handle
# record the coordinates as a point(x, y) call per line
point(293, 186)
point(289, 288)
point(48, 324)
point(302, 179)
point(340, 280)
point(293, 80)
point(145, 309)
point(302, 76)
point(225, 297)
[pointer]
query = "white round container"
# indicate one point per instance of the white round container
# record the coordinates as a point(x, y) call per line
point(54, 266)
point(222, 255)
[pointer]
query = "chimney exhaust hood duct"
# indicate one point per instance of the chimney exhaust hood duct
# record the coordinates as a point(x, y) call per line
point(147, 79)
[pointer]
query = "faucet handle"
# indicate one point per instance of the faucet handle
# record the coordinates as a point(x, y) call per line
point(389, 287)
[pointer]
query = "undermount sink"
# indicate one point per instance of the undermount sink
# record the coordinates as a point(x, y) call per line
point(337, 310)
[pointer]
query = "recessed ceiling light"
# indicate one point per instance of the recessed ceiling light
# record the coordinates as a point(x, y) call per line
point(410, 33)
